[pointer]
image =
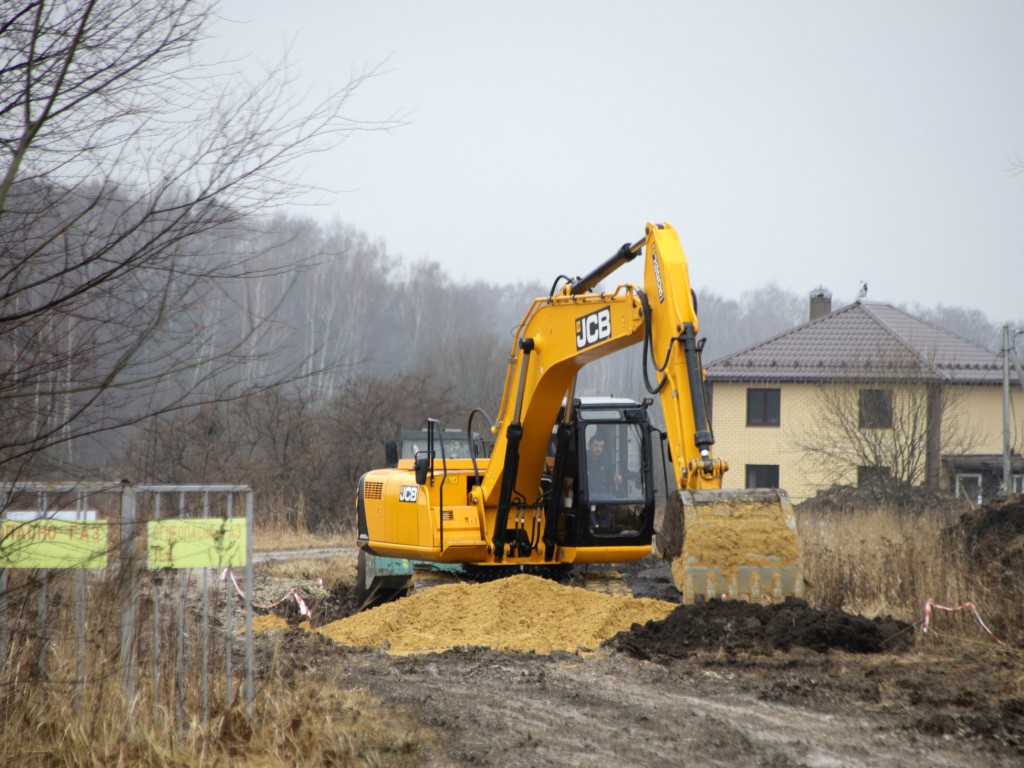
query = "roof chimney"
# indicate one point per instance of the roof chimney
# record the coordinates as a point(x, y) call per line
point(821, 303)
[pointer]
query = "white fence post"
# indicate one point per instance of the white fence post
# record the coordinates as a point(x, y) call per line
point(126, 589)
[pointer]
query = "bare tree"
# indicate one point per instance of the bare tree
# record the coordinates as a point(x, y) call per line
point(127, 173)
point(290, 447)
point(887, 433)
point(355, 426)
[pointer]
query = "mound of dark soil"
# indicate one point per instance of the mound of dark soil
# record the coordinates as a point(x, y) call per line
point(992, 536)
point(323, 607)
point(735, 625)
point(848, 499)
point(336, 604)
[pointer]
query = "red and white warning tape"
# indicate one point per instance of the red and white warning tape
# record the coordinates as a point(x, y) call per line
point(292, 593)
point(967, 605)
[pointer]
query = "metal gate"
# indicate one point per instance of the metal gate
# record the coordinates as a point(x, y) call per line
point(147, 543)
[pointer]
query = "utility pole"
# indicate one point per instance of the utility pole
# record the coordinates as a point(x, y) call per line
point(1007, 471)
point(1009, 352)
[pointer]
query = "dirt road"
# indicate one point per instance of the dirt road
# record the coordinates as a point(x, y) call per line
point(798, 709)
point(938, 702)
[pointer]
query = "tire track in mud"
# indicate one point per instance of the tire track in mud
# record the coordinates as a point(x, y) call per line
point(522, 711)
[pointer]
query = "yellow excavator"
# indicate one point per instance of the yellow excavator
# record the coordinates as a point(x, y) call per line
point(571, 480)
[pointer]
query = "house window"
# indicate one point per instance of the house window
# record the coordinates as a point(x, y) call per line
point(868, 477)
point(1017, 484)
point(968, 486)
point(763, 407)
point(762, 475)
point(875, 409)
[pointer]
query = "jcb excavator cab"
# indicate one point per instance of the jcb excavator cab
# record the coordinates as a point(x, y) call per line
point(601, 483)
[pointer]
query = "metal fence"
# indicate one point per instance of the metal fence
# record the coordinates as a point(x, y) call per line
point(164, 550)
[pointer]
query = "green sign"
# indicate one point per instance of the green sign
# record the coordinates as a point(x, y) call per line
point(47, 543)
point(196, 543)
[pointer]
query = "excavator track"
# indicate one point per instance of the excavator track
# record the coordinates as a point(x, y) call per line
point(400, 578)
point(608, 582)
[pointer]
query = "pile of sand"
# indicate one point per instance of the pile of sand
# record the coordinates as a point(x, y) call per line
point(269, 623)
point(519, 613)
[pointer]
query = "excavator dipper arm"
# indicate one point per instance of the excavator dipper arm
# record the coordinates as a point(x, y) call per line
point(740, 543)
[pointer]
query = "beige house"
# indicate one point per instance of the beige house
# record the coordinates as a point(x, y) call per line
point(867, 393)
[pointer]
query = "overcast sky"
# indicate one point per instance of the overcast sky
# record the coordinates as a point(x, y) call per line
point(801, 143)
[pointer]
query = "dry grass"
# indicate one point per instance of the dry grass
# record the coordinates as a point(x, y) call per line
point(298, 718)
point(298, 722)
point(285, 526)
point(870, 563)
point(276, 536)
point(331, 571)
point(878, 562)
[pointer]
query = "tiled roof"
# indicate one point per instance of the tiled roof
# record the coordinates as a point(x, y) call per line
point(863, 341)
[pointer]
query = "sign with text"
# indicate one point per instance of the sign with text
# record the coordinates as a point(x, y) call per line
point(196, 543)
point(51, 543)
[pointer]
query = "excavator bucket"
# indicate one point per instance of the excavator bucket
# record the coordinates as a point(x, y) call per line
point(739, 544)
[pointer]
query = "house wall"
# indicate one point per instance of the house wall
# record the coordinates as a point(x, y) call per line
point(978, 412)
point(741, 445)
point(972, 424)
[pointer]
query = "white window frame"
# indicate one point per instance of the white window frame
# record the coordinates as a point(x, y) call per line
point(960, 493)
point(1016, 483)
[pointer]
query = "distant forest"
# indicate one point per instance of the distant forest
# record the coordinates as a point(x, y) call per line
point(353, 305)
point(292, 352)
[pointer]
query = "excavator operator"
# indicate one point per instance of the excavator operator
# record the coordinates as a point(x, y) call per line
point(604, 481)
point(602, 473)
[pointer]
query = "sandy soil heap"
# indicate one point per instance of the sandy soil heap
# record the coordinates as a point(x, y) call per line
point(520, 613)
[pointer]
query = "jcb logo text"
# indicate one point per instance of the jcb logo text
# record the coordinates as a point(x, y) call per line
point(408, 493)
point(592, 328)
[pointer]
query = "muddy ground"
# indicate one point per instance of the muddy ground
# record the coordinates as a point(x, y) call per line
point(721, 684)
